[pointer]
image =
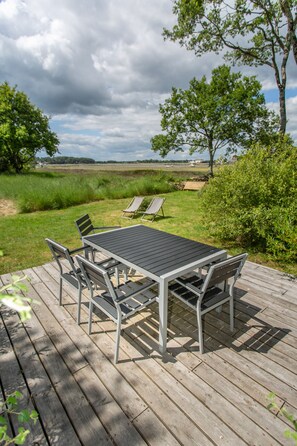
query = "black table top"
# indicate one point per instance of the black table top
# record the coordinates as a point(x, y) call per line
point(151, 249)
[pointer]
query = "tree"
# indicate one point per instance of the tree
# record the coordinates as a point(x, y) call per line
point(24, 130)
point(225, 113)
point(257, 32)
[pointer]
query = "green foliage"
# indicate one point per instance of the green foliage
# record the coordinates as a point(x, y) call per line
point(44, 192)
point(10, 297)
point(11, 407)
point(225, 113)
point(254, 201)
point(24, 131)
point(255, 33)
point(288, 433)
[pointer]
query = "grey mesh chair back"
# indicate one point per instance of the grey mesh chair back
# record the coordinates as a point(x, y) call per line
point(119, 302)
point(85, 226)
point(212, 291)
point(155, 206)
point(133, 207)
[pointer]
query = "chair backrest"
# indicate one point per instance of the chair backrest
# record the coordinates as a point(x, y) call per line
point(135, 204)
point(224, 270)
point(96, 275)
point(155, 205)
point(84, 225)
point(60, 252)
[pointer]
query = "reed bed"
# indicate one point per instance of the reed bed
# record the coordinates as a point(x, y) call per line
point(49, 191)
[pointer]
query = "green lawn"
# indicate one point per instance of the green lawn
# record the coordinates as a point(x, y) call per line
point(22, 235)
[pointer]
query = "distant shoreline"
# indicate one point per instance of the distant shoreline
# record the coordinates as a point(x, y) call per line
point(126, 166)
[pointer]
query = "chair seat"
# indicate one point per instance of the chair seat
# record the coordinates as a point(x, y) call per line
point(213, 297)
point(130, 288)
point(179, 289)
point(109, 263)
point(106, 303)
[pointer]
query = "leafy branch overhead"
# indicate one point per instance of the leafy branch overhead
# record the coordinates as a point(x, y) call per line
point(254, 33)
point(10, 296)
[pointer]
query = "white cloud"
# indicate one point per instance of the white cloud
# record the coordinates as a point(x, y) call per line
point(101, 68)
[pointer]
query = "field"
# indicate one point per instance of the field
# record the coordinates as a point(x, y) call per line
point(23, 234)
point(199, 169)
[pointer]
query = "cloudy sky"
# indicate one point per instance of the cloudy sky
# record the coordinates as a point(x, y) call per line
point(100, 68)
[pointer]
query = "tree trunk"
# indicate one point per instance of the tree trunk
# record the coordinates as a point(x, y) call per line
point(16, 163)
point(295, 48)
point(281, 82)
point(282, 110)
point(292, 24)
point(211, 155)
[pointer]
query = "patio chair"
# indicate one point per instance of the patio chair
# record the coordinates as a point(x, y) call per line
point(118, 303)
point(155, 206)
point(211, 291)
point(72, 274)
point(85, 226)
point(133, 207)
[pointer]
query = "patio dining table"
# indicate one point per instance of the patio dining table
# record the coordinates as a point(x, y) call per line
point(156, 254)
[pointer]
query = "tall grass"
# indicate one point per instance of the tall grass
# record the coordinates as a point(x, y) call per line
point(39, 191)
point(124, 187)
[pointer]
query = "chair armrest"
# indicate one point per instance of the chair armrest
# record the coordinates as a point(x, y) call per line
point(189, 286)
point(79, 249)
point(108, 263)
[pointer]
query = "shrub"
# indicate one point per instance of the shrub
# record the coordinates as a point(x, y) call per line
point(254, 201)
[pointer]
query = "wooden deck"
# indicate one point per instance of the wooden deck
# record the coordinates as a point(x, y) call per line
point(182, 398)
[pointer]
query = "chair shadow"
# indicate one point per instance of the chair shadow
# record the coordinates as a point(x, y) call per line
point(264, 339)
point(266, 336)
point(257, 335)
point(251, 331)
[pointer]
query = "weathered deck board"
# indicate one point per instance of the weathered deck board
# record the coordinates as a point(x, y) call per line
point(52, 413)
point(182, 397)
point(239, 399)
point(11, 380)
